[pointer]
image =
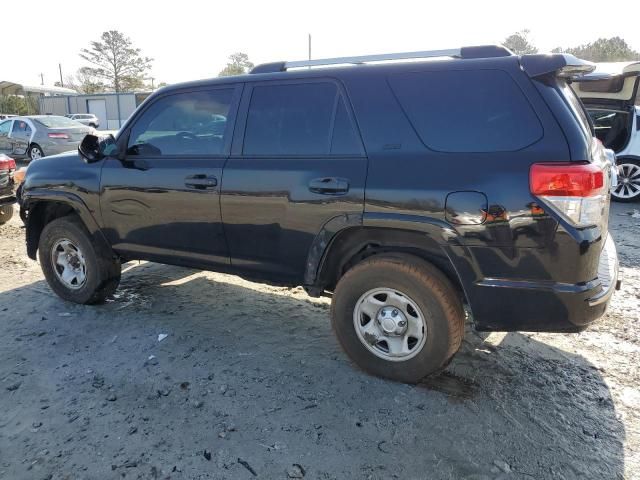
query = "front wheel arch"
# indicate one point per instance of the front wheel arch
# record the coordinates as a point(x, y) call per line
point(42, 212)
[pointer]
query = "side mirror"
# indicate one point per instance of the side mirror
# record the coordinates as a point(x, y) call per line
point(94, 148)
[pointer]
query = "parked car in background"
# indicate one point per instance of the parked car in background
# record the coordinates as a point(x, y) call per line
point(4, 116)
point(402, 190)
point(611, 94)
point(88, 119)
point(36, 136)
point(7, 188)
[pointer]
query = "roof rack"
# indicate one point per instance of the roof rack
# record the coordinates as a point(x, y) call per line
point(480, 51)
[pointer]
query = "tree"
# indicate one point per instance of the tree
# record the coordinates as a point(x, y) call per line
point(84, 82)
point(19, 105)
point(519, 43)
point(613, 49)
point(116, 62)
point(238, 65)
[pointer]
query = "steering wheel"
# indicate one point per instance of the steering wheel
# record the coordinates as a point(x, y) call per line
point(187, 135)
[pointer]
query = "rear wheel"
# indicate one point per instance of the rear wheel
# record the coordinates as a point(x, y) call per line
point(35, 152)
point(6, 212)
point(77, 267)
point(628, 189)
point(397, 317)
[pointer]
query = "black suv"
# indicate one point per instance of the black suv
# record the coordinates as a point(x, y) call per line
point(404, 190)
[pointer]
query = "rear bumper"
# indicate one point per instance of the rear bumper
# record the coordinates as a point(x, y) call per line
point(545, 306)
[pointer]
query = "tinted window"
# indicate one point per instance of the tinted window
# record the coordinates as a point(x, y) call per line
point(467, 111)
point(345, 140)
point(293, 119)
point(183, 124)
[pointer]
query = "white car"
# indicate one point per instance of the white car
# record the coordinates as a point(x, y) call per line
point(88, 119)
point(610, 94)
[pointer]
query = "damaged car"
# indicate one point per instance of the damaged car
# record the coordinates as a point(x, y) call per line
point(413, 189)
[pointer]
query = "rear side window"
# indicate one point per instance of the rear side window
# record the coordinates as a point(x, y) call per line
point(302, 119)
point(467, 110)
point(21, 127)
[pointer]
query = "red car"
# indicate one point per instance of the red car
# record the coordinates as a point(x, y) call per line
point(7, 188)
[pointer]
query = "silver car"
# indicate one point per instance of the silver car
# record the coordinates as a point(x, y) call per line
point(88, 119)
point(36, 136)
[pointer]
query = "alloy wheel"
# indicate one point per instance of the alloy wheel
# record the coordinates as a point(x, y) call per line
point(35, 153)
point(628, 181)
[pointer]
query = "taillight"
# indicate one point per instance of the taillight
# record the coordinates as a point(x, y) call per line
point(7, 163)
point(577, 191)
point(63, 136)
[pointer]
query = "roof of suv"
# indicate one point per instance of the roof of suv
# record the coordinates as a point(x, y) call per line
point(349, 65)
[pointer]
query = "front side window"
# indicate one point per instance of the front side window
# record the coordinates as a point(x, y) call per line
point(192, 123)
point(467, 110)
point(303, 119)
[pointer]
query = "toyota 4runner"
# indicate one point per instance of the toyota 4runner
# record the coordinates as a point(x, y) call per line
point(404, 186)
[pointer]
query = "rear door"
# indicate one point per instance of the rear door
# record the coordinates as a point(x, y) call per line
point(5, 129)
point(20, 137)
point(162, 201)
point(297, 163)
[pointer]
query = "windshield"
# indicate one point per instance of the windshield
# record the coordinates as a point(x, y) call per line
point(54, 121)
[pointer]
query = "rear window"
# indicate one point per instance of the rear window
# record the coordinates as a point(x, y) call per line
point(467, 110)
point(57, 122)
point(577, 108)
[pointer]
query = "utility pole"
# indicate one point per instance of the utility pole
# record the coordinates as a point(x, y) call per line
point(309, 46)
point(61, 81)
point(152, 84)
point(41, 79)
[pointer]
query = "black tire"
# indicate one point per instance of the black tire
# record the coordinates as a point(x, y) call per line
point(6, 212)
point(427, 287)
point(93, 125)
point(34, 147)
point(102, 267)
point(628, 193)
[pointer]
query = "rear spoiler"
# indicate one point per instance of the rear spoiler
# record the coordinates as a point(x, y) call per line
point(557, 64)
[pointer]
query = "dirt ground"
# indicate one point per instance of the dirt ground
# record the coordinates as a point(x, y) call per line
point(250, 382)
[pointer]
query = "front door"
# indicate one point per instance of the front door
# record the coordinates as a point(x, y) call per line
point(297, 163)
point(162, 201)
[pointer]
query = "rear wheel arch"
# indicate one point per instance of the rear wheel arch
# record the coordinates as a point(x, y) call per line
point(352, 245)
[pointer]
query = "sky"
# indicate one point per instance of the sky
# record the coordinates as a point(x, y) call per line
point(191, 39)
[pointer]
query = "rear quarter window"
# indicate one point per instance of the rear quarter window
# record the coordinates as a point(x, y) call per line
point(467, 110)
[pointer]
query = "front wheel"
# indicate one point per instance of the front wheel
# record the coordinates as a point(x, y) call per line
point(397, 317)
point(628, 189)
point(6, 212)
point(77, 268)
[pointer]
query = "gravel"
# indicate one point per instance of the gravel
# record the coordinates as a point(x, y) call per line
point(90, 392)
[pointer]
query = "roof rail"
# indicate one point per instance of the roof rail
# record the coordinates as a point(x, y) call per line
point(480, 51)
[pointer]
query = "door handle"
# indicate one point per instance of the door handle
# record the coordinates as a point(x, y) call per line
point(201, 182)
point(329, 185)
